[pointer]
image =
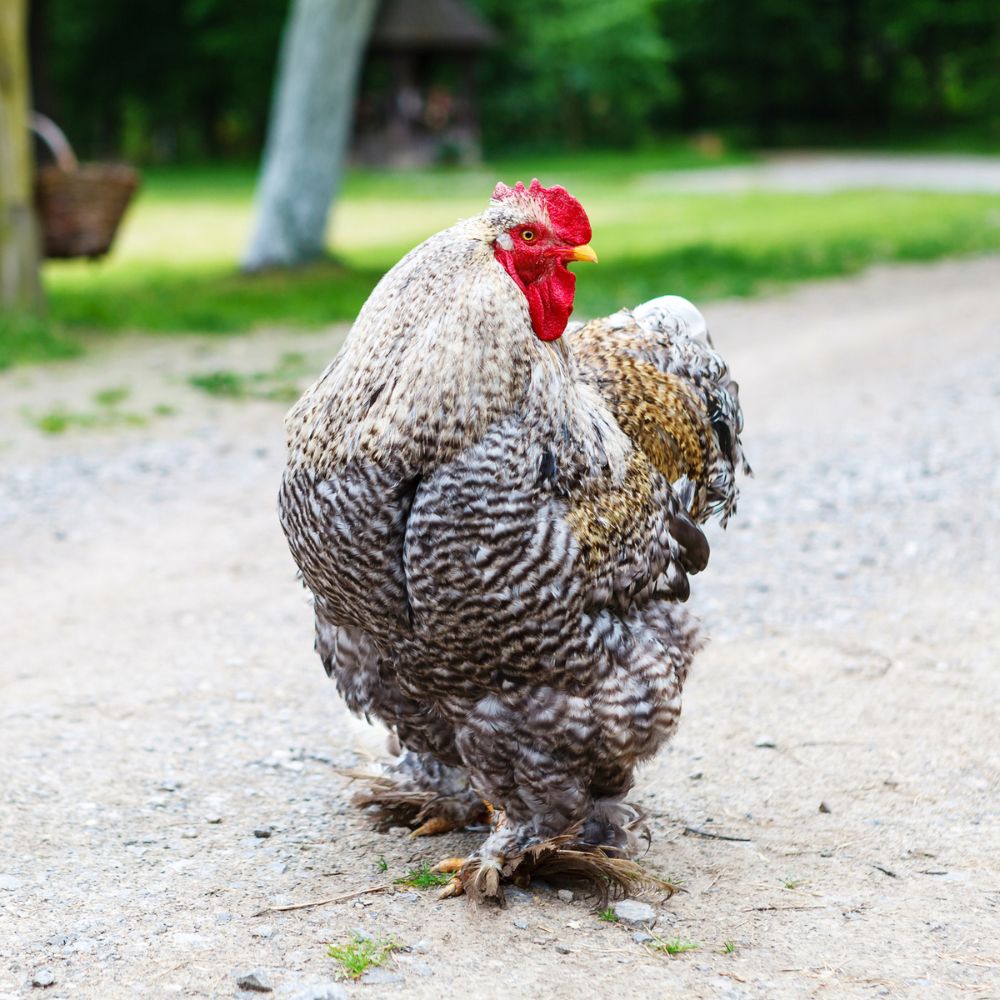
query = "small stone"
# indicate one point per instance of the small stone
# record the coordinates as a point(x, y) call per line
point(382, 977)
point(262, 832)
point(421, 947)
point(253, 981)
point(320, 991)
point(399, 831)
point(634, 913)
point(521, 924)
point(408, 897)
point(641, 937)
point(264, 931)
point(189, 833)
point(10, 882)
point(213, 818)
point(43, 978)
point(421, 969)
point(562, 949)
point(766, 743)
point(826, 854)
point(824, 808)
point(696, 776)
point(565, 895)
point(223, 916)
point(516, 897)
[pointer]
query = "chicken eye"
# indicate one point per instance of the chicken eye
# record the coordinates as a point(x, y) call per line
point(527, 235)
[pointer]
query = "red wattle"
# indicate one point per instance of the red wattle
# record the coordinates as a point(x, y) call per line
point(550, 297)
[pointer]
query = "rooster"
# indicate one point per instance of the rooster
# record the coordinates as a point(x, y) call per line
point(498, 523)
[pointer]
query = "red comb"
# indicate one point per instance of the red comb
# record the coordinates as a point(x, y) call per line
point(568, 217)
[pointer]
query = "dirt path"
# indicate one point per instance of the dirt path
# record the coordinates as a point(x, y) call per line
point(820, 173)
point(170, 743)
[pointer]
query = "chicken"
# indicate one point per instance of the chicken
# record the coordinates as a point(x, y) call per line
point(498, 523)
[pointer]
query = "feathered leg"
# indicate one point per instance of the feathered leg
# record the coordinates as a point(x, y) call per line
point(420, 792)
point(550, 824)
point(427, 788)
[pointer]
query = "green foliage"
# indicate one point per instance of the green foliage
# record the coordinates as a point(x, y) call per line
point(382, 865)
point(361, 954)
point(192, 79)
point(423, 878)
point(728, 947)
point(574, 72)
point(861, 69)
point(160, 81)
point(608, 915)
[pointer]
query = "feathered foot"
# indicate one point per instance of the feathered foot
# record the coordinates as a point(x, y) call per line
point(427, 797)
point(565, 859)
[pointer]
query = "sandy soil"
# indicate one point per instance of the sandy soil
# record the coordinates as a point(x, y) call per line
point(170, 744)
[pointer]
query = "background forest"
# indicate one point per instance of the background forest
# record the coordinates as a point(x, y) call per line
point(191, 80)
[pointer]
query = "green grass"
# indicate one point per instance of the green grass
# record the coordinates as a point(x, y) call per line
point(361, 954)
point(608, 916)
point(277, 384)
point(671, 946)
point(423, 878)
point(58, 420)
point(174, 268)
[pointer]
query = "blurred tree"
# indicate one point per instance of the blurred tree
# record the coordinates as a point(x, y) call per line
point(311, 115)
point(571, 72)
point(159, 81)
point(787, 70)
point(20, 288)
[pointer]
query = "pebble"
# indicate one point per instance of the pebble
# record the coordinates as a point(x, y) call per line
point(382, 977)
point(563, 950)
point(634, 913)
point(253, 981)
point(565, 895)
point(10, 882)
point(320, 991)
point(766, 743)
point(409, 897)
point(521, 924)
point(421, 947)
point(264, 931)
point(824, 808)
point(399, 831)
point(516, 897)
point(43, 977)
point(262, 832)
point(421, 969)
point(641, 937)
point(213, 818)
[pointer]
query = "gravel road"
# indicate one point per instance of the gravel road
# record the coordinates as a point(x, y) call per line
point(171, 749)
point(820, 173)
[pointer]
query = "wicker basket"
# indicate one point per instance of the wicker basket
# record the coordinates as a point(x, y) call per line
point(79, 207)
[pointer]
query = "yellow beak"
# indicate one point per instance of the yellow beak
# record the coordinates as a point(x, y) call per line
point(583, 253)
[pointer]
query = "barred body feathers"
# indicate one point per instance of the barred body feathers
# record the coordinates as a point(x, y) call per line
point(497, 524)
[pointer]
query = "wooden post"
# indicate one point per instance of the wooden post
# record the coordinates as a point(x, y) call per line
point(20, 287)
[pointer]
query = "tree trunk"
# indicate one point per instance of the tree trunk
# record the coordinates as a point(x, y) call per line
point(311, 114)
point(19, 284)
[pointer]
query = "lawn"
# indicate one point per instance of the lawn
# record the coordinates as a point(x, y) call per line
point(174, 269)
